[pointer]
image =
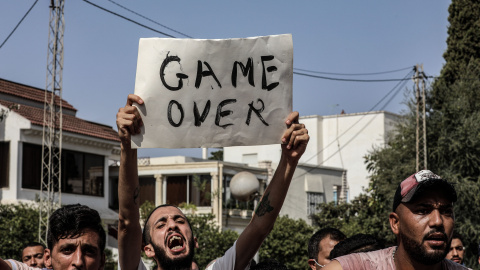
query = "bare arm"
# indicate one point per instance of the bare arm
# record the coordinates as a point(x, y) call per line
point(129, 230)
point(294, 143)
point(5, 265)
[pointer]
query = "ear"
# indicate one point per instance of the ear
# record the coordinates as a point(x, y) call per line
point(394, 220)
point(311, 263)
point(47, 258)
point(196, 241)
point(149, 250)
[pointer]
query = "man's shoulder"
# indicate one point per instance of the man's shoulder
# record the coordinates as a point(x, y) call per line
point(368, 260)
point(450, 265)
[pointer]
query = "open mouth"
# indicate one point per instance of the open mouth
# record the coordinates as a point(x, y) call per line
point(176, 243)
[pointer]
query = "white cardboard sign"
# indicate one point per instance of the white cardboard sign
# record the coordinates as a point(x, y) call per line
point(213, 93)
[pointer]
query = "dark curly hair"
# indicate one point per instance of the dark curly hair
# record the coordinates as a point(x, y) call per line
point(71, 221)
point(357, 243)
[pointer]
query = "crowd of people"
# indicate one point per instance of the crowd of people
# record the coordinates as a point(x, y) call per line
point(422, 219)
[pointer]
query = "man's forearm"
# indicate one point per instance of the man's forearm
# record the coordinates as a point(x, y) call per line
point(265, 214)
point(130, 234)
point(272, 200)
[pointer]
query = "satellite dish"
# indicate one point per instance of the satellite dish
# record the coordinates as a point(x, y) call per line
point(243, 185)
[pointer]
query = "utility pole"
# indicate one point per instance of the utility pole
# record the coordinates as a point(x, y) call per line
point(419, 79)
point(50, 188)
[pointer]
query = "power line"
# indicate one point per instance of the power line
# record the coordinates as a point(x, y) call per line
point(397, 87)
point(348, 80)
point(146, 18)
point(353, 74)
point(130, 20)
point(297, 73)
point(18, 24)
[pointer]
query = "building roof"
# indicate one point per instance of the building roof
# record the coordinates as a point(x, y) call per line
point(29, 92)
point(28, 98)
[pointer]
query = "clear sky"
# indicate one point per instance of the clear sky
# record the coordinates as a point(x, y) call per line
point(348, 37)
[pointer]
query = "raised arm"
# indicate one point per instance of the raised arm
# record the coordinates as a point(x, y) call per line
point(294, 143)
point(129, 230)
point(5, 265)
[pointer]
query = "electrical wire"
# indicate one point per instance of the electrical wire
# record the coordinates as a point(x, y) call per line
point(294, 72)
point(397, 89)
point(146, 18)
point(352, 74)
point(348, 80)
point(18, 24)
point(130, 20)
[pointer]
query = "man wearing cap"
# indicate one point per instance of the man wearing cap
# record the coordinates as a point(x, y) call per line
point(423, 221)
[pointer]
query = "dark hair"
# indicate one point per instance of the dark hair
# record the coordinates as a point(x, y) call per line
point(269, 264)
point(31, 244)
point(457, 236)
point(146, 237)
point(357, 243)
point(313, 243)
point(71, 221)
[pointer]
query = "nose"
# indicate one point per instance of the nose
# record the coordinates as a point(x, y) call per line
point(33, 262)
point(77, 260)
point(436, 219)
point(171, 225)
point(455, 253)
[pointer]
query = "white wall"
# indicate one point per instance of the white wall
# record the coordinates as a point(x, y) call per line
point(339, 141)
point(10, 131)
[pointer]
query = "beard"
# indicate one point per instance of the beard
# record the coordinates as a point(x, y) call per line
point(418, 252)
point(182, 263)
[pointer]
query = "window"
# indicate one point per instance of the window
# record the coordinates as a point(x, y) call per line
point(4, 163)
point(82, 173)
point(147, 190)
point(194, 189)
point(31, 166)
point(313, 200)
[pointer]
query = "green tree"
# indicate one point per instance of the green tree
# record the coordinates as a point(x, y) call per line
point(212, 243)
point(288, 242)
point(18, 227)
point(217, 155)
point(359, 216)
point(453, 141)
point(453, 132)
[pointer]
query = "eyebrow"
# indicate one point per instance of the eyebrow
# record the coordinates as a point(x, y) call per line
point(163, 219)
point(431, 205)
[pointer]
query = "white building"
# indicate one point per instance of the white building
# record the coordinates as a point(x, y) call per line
point(338, 143)
point(86, 150)
point(204, 183)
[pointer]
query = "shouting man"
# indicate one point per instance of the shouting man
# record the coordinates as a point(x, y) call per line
point(167, 234)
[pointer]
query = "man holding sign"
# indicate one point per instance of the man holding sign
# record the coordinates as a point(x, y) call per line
point(167, 233)
point(205, 93)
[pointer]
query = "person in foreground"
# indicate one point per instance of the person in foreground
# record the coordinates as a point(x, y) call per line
point(75, 241)
point(423, 221)
point(167, 233)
